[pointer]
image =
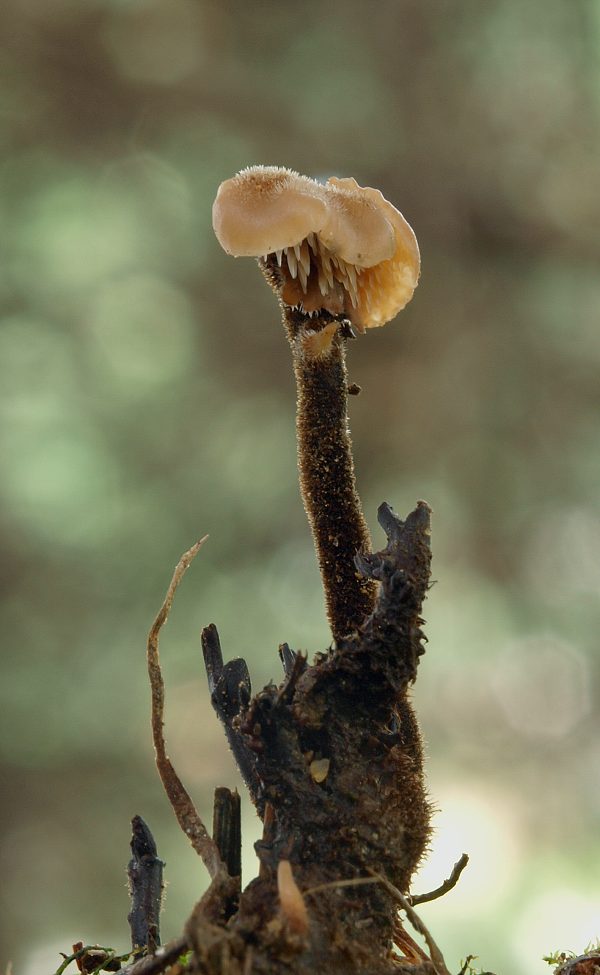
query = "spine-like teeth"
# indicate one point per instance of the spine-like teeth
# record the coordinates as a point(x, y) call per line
point(328, 273)
point(310, 240)
point(297, 251)
point(304, 258)
point(303, 277)
point(279, 255)
point(322, 284)
point(291, 260)
point(351, 273)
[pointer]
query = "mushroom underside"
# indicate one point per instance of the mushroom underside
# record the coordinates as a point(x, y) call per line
point(314, 279)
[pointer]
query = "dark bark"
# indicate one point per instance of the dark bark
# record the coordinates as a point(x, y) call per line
point(338, 756)
point(145, 874)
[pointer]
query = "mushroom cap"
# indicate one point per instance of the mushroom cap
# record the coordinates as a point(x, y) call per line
point(265, 209)
point(359, 255)
point(386, 288)
point(357, 228)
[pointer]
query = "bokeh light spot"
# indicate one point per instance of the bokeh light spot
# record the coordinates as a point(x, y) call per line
point(483, 826)
point(142, 333)
point(561, 918)
point(542, 685)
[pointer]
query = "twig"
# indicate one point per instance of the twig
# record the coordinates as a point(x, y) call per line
point(106, 964)
point(230, 690)
point(352, 882)
point(227, 834)
point(145, 873)
point(407, 944)
point(227, 831)
point(164, 956)
point(182, 805)
point(76, 955)
point(287, 657)
point(448, 884)
point(435, 954)
point(288, 687)
point(410, 968)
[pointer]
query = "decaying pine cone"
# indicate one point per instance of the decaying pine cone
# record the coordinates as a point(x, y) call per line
point(333, 760)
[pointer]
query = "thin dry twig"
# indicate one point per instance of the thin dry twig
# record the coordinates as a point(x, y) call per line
point(145, 875)
point(411, 968)
point(352, 882)
point(435, 954)
point(407, 944)
point(165, 956)
point(82, 950)
point(180, 800)
point(447, 885)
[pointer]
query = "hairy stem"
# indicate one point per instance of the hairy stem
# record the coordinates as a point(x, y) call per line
point(326, 468)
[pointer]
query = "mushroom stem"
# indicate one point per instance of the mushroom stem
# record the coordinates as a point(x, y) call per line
point(326, 467)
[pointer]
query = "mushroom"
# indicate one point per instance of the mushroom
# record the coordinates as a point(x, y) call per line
point(336, 254)
point(337, 246)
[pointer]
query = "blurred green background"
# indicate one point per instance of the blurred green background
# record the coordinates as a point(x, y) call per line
point(146, 398)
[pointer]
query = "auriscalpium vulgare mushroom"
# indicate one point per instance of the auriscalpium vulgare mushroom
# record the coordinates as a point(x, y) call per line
point(338, 256)
point(332, 756)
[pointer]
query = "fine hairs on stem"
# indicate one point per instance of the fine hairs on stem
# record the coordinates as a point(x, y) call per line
point(326, 469)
